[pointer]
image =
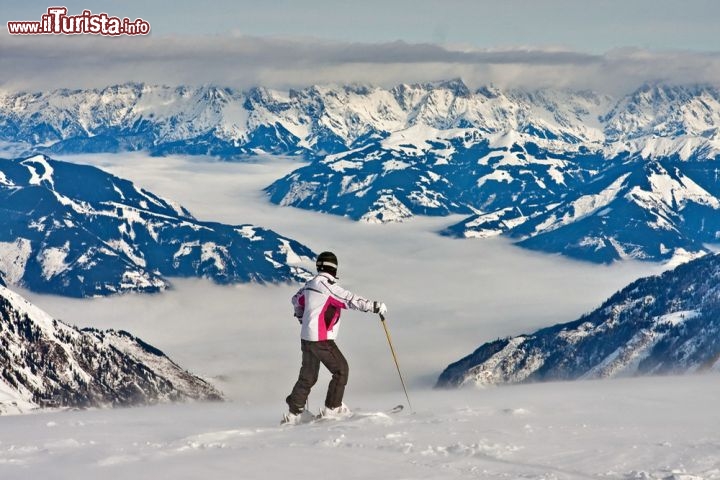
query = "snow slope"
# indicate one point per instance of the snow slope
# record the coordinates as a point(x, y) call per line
point(648, 429)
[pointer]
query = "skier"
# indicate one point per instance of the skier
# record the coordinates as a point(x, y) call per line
point(317, 307)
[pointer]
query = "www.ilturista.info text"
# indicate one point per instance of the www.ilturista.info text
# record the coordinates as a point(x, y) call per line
point(57, 22)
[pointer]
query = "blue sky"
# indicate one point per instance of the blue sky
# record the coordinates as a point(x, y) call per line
point(589, 26)
point(606, 45)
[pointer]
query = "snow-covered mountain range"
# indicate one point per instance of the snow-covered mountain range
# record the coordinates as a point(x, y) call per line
point(47, 363)
point(642, 209)
point(656, 121)
point(545, 167)
point(76, 230)
point(663, 324)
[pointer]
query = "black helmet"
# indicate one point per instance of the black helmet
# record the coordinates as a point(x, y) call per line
point(327, 262)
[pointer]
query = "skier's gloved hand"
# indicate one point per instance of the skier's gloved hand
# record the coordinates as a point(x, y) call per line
point(379, 308)
point(298, 314)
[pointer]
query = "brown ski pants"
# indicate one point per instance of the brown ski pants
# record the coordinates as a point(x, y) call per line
point(313, 354)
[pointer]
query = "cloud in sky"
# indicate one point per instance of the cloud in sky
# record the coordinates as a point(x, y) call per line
point(42, 62)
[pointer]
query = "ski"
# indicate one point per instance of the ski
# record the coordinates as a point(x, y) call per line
point(308, 417)
point(392, 411)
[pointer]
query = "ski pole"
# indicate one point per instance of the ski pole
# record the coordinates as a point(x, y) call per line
point(397, 365)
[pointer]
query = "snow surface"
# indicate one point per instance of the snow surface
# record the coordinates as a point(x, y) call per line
point(445, 296)
point(13, 258)
point(47, 170)
point(584, 206)
point(617, 429)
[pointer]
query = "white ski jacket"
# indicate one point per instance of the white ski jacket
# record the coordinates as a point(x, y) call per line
point(318, 305)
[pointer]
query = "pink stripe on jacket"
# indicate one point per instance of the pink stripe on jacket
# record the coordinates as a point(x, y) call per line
point(320, 302)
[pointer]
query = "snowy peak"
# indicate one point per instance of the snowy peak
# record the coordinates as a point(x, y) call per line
point(562, 115)
point(47, 363)
point(665, 111)
point(629, 208)
point(76, 230)
point(123, 117)
point(332, 118)
point(642, 210)
point(657, 325)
